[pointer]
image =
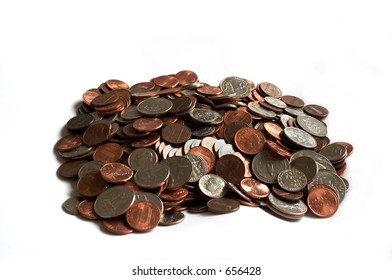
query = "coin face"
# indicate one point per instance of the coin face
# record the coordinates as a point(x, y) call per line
point(213, 186)
point(235, 86)
point(266, 166)
point(223, 205)
point(323, 201)
point(123, 197)
point(292, 180)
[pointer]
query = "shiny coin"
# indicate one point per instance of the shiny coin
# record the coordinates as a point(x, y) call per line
point(170, 218)
point(290, 210)
point(223, 205)
point(199, 167)
point(213, 186)
point(143, 216)
point(312, 125)
point(231, 168)
point(114, 202)
point(323, 201)
point(154, 106)
point(292, 180)
point(266, 166)
point(140, 157)
point(152, 176)
point(116, 173)
point(300, 137)
point(254, 188)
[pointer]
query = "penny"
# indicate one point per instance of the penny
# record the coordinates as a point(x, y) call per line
point(151, 197)
point(154, 106)
point(212, 186)
point(151, 176)
point(140, 157)
point(117, 225)
point(114, 201)
point(170, 218)
point(97, 133)
point(269, 89)
point(223, 205)
point(69, 142)
point(249, 140)
point(231, 168)
point(186, 77)
point(199, 167)
point(147, 124)
point(254, 188)
point(292, 180)
point(108, 152)
point(180, 171)
point(70, 169)
point(334, 152)
point(348, 147)
point(235, 86)
point(293, 101)
point(209, 90)
point(290, 210)
point(80, 122)
point(176, 134)
point(205, 116)
point(286, 195)
point(307, 165)
point(166, 81)
point(299, 137)
point(116, 173)
point(266, 166)
point(94, 165)
point(143, 216)
point(273, 129)
point(322, 201)
point(317, 111)
point(91, 185)
point(70, 205)
point(86, 210)
point(312, 125)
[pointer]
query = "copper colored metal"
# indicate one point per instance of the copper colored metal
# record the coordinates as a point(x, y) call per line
point(86, 210)
point(322, 201)
point(116, 173)
point(109, 152)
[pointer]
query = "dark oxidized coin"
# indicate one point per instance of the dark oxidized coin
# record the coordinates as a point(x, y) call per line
point(114, 202)
point(223, 205)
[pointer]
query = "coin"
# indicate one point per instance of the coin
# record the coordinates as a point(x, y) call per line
point(140, 157)
point(266, 166)
point(223, 205)
point(180, 171)
point(254, 188)
point(151, 176)
point(170, 218)
point(249, 140)
point(292, 180)
point(213, 186)
point(323, 201)
point(231, 168)
point(116, 173)
point(143, 216)
point(123, 197)
point(154, 106)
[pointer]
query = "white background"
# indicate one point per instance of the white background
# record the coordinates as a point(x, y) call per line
point(333, 53)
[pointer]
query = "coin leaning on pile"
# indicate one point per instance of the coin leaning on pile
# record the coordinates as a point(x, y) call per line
point(144, 154)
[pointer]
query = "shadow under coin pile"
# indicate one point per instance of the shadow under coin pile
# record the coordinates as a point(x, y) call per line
point(144, 154)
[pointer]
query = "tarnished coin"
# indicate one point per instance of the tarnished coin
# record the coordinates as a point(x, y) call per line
point(117, 225)
point(151, 197)
point(332, 180)
point(140, 157)
point(114, 202)
point(143, 216)
point(300, 137)
point(213, 186)
point(94, 165)
point(170, 218)
point(323, 201)
point(231, 168)
point(292, 180)
point(205, 116)
point(254, 188)
point(116, 173)
point(71, 205)
point(92, 184)
point(312, 125)
point(334, 152)
point(154, 106)
point(223, 205)
point(235, 86)
point(70, 169)
point(151, 176)
point(180, 171)
point(199, 167)
point(307, 165)
point(290, 210)
point(266, 166)
point(249, 140)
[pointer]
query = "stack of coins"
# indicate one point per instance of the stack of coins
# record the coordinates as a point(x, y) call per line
point(144, 154)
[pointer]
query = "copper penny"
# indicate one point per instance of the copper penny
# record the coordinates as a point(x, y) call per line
point(86, 210)
point(206, 154)
point(117, 225)
point(322, 201)
point(97, 133)
point(91, 184)
point(109, 152)
point(254, 188)
point(166, 81)
point(147, 124)
point(237, 116)
point(231, 168)
point(209, 90)
point(186, 77)
point(143, 216)
point(116, 173)
point(249, 140)
point(69, 142)
point(176, 134)
point(70, 169)
point(273, 129)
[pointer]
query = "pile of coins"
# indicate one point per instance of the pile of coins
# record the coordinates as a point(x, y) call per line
point(144, 154)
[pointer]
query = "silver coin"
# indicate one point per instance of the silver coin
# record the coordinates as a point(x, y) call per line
point(213, 186)
point(266, 166)
point(307, 165)
point(322, 162)
point(226, 149)
point(235, 87)
point(171, 218)
point(292, 180)
point(91, 166)
point(275, 102)
point(332, 180)
point(293, 111)
point(199, 167)
point(312, 125)
point(291, 210)
point(260, 111)
point(153, 198)
point(300, 137)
